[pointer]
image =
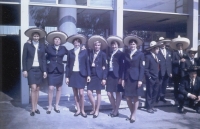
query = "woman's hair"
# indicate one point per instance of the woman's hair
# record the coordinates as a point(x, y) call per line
point(56, 37)
point(96, 42)
point(133, 40)
point(114, 42)
point(35, 33)
point(77, 40)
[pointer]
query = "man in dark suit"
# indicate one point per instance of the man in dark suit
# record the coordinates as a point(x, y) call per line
point(178, 58)
point(190, 90)
point(190, 60)
point(165, 70)
point(152, 64)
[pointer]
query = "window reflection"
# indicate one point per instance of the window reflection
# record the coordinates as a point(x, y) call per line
point(87, 21)
point(175, 6)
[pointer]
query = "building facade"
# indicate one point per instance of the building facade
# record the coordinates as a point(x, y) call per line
point(148, 19)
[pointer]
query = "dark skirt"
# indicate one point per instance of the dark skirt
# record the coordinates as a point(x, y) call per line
point(55, 78)
point(95, 83)
point(112, 83)
point(76, 80)
point(131, 88)
point(35, 76)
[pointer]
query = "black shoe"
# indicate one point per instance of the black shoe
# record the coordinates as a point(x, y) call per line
point(154, 109)
point(32, 113)
point(163, 100)
point(37, 111)
point(150, 111)
point(77, 114)
point(58, 111)
point(84, 115)
point(181, 110)
point(113, 115)
point(95, 116)
point(110, 114)
point(48, 112)
point(132, 121)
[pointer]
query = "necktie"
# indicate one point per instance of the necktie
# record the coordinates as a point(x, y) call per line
point(192, 60)
point(181, 53)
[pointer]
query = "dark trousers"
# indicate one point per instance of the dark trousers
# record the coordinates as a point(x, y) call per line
point(163, 85)
point(182, 99)
point(176, 79)
point(152, 88)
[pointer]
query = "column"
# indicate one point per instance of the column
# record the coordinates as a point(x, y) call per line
point(24, 27)
point(67, 24)
point(192, 22)
point(117, 18)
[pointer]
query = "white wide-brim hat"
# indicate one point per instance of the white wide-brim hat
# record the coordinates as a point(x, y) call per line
point(29, 33)
point(98, 38)
point(115, 38)
point(182, 40)
point(163, 40)
point(71, 38)
point(153, 44)
point(56, 34)
point(192, 50)
point(135, 37)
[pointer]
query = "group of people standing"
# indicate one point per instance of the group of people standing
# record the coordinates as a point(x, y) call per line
point(89, 65)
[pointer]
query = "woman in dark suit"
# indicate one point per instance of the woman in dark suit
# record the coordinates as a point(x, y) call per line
point(78, 71)
point(98, 67)
point(114, 79)
point(133, 73)
point(34, 64)
point(55, 53)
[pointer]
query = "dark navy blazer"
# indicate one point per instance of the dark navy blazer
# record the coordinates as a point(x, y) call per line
point(56, 58)
point(165, 63)
point(134, 67)
point(151, 66)
point(176, 65)
point(101, 64)
point(84, 68)
point(117, 63)
point(28, 56)
point(185, 86)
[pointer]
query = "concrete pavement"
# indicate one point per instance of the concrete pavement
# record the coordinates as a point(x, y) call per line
point(15, 116)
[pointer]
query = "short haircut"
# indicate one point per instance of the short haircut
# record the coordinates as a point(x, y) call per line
point(35, 33)
point(132, 40)
point(56, 37)
point(178, 44)
point(77, 40)
point(114, 41)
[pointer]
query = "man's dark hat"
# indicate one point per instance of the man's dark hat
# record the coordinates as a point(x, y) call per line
point(193, 68)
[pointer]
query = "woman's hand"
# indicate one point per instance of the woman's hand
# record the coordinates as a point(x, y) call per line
point(67, 81)
point(88, 79)
point(44, 75)
point(139, 83)
point(25, 74)
point(123, 83)
point(103, 82)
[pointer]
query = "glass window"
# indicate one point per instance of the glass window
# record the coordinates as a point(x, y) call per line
point(105, 3)
point(85, 21)
point(175, 6)
point(73, 2)
point(10, 0)
point(44, 1)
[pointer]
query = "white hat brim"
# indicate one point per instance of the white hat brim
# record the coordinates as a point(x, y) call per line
point(71, 38)
point(50, 36)
point(129, 37)
point(184, 41)
point(115, 38)
point(95, 38)
point(30, 31)
point(166, 41)
point(149, 48)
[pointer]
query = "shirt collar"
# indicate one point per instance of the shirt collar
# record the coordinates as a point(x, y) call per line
point(77, 49)
point(96, 52)
point(114, 51)
point(35, 43)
